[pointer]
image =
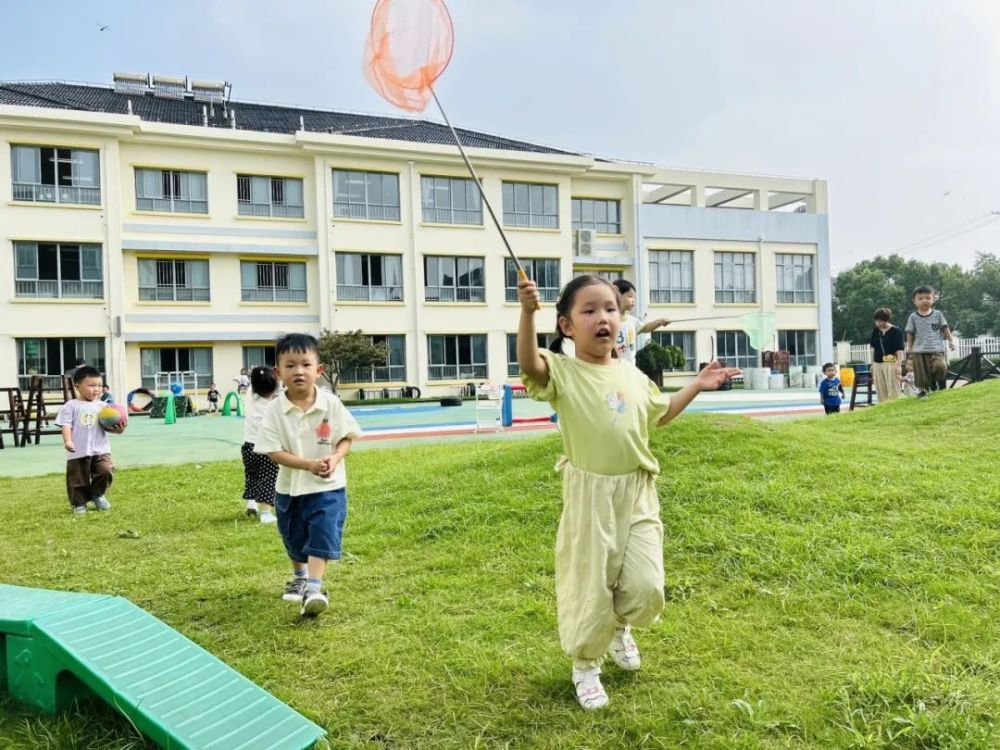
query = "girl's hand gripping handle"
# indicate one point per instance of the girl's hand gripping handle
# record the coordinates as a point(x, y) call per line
point(535, 304)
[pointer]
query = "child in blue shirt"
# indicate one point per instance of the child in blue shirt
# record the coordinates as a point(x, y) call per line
point(830, 390)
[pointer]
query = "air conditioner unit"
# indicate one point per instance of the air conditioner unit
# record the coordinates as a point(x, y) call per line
point(585, 239)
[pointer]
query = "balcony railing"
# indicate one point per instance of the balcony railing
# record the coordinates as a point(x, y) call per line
point(26, 191)
point(47, 289)
point(454, 294)
point(272, 294)
point(49, 382)
point(671, 296)
point(452, 216)
point(172, 205)
point(364, 293)
point(173, 294)
point(547, 293)
point(384, 374)
point(246, 208)
point(365, 211)
point(456, 372)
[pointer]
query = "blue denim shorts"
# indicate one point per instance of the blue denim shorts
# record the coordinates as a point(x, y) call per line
point(312, 524)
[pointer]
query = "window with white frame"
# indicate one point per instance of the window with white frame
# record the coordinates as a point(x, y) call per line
point(176, 360)
point(543, 271)
point(450, 200)
point(456, 357)
point(58, 270)
point(171, 190)
point(796, 278)
point(48, 174)
point(362, 277)
point(604, 273)
point(683, 340)
point(671, 276)
point(365, 195)
point(52, 357)
point(453, 279)
point(173, 280)
point(272, 281)
point(735, 278)
point(258, 355)
point(269, 196)
point(528, 204)
point(733, 348)
point(597, 214)
point(394, 369)
point(513, 369)
point(801, 347)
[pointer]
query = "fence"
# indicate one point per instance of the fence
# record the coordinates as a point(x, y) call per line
point(963, 348)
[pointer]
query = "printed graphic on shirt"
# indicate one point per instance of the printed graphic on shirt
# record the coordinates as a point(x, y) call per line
point(625, 342)
point(616, 402)
point(88, 418)
point(323, 432)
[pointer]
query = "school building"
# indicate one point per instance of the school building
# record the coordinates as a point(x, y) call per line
point(156, 226)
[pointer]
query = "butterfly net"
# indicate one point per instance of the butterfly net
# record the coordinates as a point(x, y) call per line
point(408, 47)
point(759, 328)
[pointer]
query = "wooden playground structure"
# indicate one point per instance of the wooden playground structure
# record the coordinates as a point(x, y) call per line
point(26, 417)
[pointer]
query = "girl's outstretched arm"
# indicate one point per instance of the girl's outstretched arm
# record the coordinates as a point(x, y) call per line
point(711, 377)
point(528, 357)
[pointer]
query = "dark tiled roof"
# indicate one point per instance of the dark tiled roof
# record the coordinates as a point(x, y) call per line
point(264, 118)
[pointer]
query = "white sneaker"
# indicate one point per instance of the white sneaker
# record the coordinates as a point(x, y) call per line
point(624, 652)
point(589, 690)
point(314, 602)
point(251, 507)
point(268, 517)
point(79, 509)
point(102, 503)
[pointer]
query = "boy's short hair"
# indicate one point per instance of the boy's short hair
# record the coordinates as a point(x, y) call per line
point(300, 343)
point(82, 373)
point(883, 313)
point(922, 289)
point(624, 286)
point(827, 365)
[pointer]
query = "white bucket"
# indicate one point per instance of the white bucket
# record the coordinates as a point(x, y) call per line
point(761, 376)
point(795, 379)
point(776, 382)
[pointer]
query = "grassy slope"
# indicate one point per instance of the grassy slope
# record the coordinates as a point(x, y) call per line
point(831, 583)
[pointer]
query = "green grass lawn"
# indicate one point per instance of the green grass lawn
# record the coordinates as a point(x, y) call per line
point(831, 583)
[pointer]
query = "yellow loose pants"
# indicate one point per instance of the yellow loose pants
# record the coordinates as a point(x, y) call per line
point(609, 559)
point(886, 381)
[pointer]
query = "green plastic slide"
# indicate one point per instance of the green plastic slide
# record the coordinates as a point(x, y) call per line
point(56, 647)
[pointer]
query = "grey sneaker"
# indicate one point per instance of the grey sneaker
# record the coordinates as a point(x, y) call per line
point(102, 503)
point(314, 602)
point(79, 510)
point(589, 690)
point(295, 589)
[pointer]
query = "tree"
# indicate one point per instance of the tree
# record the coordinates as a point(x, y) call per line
point(653, 359)
point(340, 352)
point(889, 282)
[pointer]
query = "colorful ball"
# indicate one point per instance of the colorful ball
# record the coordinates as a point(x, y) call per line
point(112, 415)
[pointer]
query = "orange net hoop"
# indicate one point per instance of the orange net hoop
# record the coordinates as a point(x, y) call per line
point(409, 46)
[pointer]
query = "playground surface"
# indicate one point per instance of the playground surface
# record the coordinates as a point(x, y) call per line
point(213, 437)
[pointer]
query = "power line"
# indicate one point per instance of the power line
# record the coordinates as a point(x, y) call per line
point(972, 225)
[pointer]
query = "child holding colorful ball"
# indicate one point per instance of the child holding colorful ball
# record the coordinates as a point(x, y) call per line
point(85, 422)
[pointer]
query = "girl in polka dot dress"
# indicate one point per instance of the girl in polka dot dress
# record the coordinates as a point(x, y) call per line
point(259, 471)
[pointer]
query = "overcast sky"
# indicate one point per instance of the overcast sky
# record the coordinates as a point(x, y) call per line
point(895, 102)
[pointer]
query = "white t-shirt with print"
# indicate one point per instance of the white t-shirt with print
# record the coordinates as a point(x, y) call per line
point(307, 434)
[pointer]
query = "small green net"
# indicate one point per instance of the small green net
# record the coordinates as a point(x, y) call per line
point(759, 328)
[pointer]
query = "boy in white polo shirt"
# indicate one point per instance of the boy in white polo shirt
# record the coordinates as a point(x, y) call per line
point(307, 432)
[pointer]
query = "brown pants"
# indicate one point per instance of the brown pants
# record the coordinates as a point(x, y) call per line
point(88, 478)
point(886, 381)
point(929, 369)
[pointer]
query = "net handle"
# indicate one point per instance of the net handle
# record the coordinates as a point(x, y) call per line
point(521, 274)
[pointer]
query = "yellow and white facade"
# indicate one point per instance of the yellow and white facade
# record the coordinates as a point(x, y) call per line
point(209, 242)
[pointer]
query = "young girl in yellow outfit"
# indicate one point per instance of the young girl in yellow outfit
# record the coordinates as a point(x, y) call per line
point(609, 547)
